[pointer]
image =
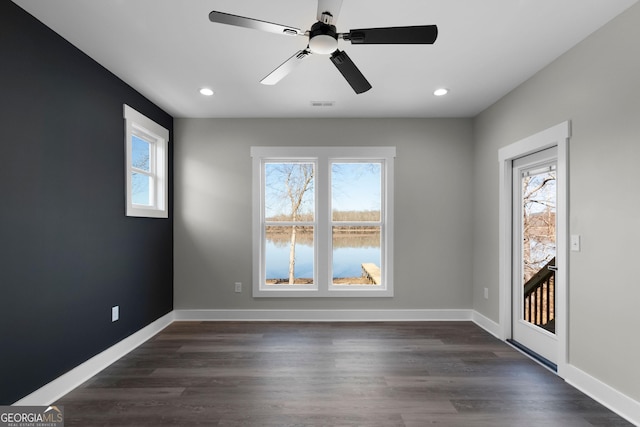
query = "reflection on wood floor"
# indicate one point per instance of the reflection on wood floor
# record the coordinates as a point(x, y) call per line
point(329, 374)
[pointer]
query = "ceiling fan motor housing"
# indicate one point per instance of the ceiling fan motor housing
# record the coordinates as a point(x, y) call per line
point(323, 38)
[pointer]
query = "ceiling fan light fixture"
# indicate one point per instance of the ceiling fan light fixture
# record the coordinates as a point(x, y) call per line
point(441, 91)
point(206, 91)
point(323, 44)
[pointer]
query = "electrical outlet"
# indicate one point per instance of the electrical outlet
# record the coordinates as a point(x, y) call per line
point(115, 313)
point(486, 293)
point(238, 287)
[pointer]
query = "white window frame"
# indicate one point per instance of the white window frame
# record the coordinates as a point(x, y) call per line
point(139, 125)
point(322, 157)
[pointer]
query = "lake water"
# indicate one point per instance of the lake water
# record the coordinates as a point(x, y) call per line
point(346, 261)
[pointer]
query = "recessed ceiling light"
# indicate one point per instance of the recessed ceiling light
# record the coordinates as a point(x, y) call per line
point(206, 91)
point(441, 92)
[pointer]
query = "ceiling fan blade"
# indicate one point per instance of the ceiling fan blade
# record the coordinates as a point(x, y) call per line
point(350, 72)
point(255, 24)
point(331, 6)
point(421, 34)
point(285, 68)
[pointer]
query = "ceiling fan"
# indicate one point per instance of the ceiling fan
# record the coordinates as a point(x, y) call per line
point(323, 40)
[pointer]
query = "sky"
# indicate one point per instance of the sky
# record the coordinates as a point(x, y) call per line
point(354, 187)
point(140, 159)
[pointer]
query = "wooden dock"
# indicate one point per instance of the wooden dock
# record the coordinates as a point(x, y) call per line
point(372, 273)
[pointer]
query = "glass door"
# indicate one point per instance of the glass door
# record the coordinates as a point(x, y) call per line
point(534, 231)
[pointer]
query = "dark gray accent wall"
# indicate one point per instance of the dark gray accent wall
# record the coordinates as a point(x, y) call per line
point(68, 253)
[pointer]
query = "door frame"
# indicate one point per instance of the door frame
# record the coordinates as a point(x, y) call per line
point(555, 136)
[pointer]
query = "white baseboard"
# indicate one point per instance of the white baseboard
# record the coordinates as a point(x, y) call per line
point(323, 315)
point(618, 402)
point(81, 373)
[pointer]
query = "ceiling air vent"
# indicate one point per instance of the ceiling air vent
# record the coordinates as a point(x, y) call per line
point(322, 103)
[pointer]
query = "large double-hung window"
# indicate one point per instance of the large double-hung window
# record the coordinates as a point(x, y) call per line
point(323, 221)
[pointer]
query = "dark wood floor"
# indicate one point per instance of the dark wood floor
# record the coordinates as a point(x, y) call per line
point(329, 374)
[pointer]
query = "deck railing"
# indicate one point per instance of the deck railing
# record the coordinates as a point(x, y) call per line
point(539, 297)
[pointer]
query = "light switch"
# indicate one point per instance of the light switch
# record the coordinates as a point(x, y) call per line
point(575, 242)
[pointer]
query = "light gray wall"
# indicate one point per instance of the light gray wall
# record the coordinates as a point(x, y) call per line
point(596, 85)
point(212, 214)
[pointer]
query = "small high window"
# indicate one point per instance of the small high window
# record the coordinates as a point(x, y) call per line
point(146, 166)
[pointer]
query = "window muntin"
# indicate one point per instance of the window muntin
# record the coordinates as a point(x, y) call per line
point(343, 230)
point(146, 164)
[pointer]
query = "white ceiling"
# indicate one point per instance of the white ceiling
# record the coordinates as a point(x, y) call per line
point(168, 49)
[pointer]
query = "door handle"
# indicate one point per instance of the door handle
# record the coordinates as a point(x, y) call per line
point(552, 267)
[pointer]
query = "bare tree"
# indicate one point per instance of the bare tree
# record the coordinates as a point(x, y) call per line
point(297, 182)
point(539, 221)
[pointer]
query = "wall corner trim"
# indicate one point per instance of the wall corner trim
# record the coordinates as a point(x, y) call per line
point(604, 394)
point(62, 385)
